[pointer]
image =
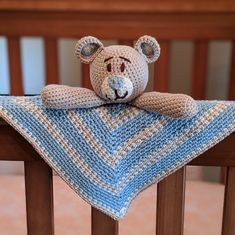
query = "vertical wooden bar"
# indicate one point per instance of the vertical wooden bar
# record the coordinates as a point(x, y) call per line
point(228, 227)
point(39, 198)
point(200, 70)
point(15, 70)
point(103, 224)
point(161, 68)
point(231, 92)
point(223, 174)
point(86, 82)
point(170, 204)
point(231, 96)
point(51, 61)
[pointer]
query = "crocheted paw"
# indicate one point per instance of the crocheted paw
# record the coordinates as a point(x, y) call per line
point(173, 105)
point(189, 107)
point(65, 97)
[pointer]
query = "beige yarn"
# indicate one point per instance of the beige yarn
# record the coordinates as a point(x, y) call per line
point(174, 105)
point(136, 71)
point(118, 74)
point(65, 97)
point(87, 48)
point(150, 47)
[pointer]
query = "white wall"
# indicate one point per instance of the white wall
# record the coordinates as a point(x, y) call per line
point(4, 75)
point(32, 57)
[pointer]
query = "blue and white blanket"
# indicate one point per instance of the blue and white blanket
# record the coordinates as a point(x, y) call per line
point(110, 153)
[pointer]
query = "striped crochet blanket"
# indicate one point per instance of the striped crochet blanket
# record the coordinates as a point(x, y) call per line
point(110, 153)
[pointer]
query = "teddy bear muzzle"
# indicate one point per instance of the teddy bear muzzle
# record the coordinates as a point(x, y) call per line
point(116, 88)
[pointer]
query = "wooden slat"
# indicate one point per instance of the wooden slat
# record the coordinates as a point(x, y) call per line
point(109, 25)
point(3, 122)
point(13, 147)
point(51, 58)
point(18, 149)
point(228, 227)
point(161, 68)
point(86, 82)
point(103, 224)
point(39, 198)
point(170, 204)
point(200, 70)
point(222, 154)
point(121, 6)
point(231, 94)
point(223, 173)
point(15, 70)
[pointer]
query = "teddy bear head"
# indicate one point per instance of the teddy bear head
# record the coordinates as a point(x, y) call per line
point(118, 73)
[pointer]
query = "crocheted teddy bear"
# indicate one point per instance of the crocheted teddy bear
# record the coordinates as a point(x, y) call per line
point(119, 74)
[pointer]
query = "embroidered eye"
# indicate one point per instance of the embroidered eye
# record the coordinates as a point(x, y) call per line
point(122, 67)
point(109, 67)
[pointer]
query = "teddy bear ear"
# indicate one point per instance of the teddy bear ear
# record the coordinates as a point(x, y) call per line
point(148, 47)
point(87, 48)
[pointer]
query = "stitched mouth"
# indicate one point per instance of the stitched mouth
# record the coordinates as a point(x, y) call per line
point(108, 98)
point(120, 97)
point(117, 96)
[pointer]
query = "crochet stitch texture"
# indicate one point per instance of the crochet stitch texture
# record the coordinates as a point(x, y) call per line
point(108, 154)
point(118, 74)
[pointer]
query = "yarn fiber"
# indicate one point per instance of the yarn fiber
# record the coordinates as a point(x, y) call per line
point(118, 74)
point(109, 154)
point(136, 70)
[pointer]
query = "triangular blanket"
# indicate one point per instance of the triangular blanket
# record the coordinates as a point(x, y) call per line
point(110, 153)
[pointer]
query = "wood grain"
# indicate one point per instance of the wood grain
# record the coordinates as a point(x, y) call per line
point(222, 154)
point(170, 204)
point(39, 198)
point(162, 68)
point(111, 26)
point(122, 6)
point(231, 87)
point(3, 122)
point(15, 70)
point(51, 59)
point(102, 224)
point(228, 227)
point(14, 147)
point(199, 79)
point(85, 79)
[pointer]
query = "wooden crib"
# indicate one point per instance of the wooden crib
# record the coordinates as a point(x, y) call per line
point(198, 21)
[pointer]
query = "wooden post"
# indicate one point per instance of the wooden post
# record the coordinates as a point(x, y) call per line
point(200, 70)
point(14, 54)
point(170, 204)
point(102, 224)
point(228, 227)
point(39, 198)
point(51, 58)
point(161, 69)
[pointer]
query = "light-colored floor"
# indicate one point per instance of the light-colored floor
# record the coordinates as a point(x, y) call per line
point(203, 213)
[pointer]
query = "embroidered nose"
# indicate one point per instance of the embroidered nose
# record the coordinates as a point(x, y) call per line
point(116, 83)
